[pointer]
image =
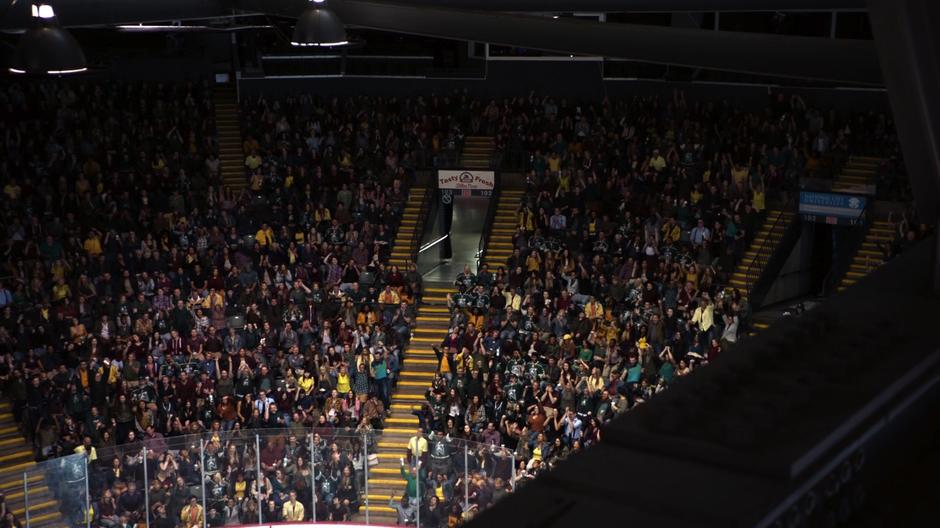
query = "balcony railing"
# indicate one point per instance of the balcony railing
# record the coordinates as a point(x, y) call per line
point(256, 477)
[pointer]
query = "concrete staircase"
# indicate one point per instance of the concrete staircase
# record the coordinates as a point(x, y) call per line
point(228, 128)
point(870, 255)
point(418, 369)
point(499, 243)
point(403, 247)
point(761, 249)
point(477, 152)
point(16, 458)
point(860, 170)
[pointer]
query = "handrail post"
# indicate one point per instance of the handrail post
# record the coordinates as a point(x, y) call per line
point(202, 473)
point(365, 464)
point(147, 487)
point(466, 477)
point(513, 458)
point(26, 496)
point(313, 482)
point(258, 468)
point(417, 489)
point(87, 495)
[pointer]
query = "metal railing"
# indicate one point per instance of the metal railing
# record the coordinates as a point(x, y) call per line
point(253, 477)
point(765, 251)
point(421, 224)
point(490, 218)
point(852, 243)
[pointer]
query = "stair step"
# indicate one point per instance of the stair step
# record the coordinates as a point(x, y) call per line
point(384, 481)
point(435, 299)
point(432, 319)
point(412, 420)
point(419, 361)
point(404, 407)
point(416, 374)
point(432, 339)
point(414, 397)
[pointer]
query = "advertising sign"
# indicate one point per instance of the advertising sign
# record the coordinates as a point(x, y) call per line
point(474, 182)
point(832, 208)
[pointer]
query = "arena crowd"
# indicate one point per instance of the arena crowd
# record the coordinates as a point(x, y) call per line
point(157, 323)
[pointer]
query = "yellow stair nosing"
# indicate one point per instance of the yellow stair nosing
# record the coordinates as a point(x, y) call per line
point(415, 374)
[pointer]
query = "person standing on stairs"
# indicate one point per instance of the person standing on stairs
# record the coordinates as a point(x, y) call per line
point(380, 376)
point(417, 447)
point(411, 476)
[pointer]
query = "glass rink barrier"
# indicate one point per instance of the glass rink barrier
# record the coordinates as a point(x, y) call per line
point(264, 477)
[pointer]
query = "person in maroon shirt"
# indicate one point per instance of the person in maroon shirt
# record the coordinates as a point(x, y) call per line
point(186, 387)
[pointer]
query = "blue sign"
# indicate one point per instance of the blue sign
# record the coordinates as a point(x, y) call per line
point(832, 205)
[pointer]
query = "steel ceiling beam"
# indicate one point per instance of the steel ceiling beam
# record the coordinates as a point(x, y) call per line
point(90, 13)
point(850, 61)
point(774, 55)
point(636, 6)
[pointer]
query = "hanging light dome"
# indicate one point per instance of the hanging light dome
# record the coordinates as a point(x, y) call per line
point(47, 48)
point(318, 26)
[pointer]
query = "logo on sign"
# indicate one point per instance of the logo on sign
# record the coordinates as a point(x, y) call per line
point(854, 203)
point(465, 180)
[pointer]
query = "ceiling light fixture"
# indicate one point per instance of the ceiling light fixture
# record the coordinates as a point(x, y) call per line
point(318, 26)
point(46, 48)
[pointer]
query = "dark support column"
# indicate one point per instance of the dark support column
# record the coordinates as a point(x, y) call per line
point(908, 45)
point(447, 216)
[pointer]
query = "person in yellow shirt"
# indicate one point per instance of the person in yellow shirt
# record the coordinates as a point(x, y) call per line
point(513, 299)
point(191, 514)
point(417, 446)
point(264, 236)
point(322, 214)
point(12, 190)
point(554, 165)
point(739, 175)
point(61, 290)
point(758, 198)
point(256, 182)
point(671, 231)
point(657, 162)
point(526, 218)
point(305, 383)
point(215, 299)
point(343, 385)
point(292, 509)
point(92, 244)
point(88, 448)
point(253, 161)
point(759, 202)
point(389, 296)
point(704, 316)
point(593, 309)
point(533, 262)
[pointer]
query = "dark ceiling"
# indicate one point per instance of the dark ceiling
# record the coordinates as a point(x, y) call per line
point(811, 58)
